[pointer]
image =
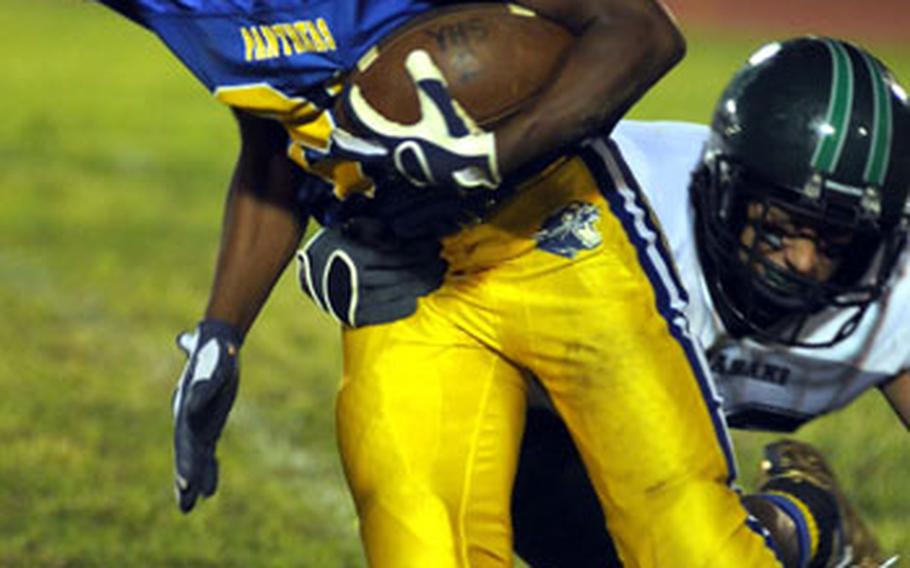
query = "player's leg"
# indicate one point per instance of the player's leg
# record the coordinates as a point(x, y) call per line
point(634, 392)
point(654, 446)
point(558, 522)
point(429, 424)
point(556, 515)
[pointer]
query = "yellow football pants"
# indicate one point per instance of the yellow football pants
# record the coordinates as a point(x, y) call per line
point(431, 408)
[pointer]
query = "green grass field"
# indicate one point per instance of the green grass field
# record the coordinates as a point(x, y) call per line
point(113, 164)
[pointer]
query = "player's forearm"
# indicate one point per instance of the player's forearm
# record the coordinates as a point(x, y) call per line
point(623, 47)
point(262, 224)
point(258, 242)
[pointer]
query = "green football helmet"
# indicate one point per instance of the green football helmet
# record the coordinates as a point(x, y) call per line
point(821, 129)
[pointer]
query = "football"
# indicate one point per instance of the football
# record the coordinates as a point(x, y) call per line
point(495, 58)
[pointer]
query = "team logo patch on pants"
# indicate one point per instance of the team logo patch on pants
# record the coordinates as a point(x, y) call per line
point(570, 230)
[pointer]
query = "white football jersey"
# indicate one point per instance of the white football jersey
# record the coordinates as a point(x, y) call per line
point(763, 386)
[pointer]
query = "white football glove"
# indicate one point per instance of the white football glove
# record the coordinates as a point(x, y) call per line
point(445, 147)
point(201, 403)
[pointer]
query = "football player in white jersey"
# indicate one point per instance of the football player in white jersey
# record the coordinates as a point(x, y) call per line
point(786, 219)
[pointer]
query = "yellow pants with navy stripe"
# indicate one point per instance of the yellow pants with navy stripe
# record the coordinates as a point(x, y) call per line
point(431, 408)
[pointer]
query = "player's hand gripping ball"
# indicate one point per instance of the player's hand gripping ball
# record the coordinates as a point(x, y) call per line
point(445, 146)
point(426, 99)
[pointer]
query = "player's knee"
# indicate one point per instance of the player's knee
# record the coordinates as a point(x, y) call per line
point(404, 527)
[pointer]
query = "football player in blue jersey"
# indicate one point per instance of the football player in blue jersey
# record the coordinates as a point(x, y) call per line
point(791, 255)
point(432, 402)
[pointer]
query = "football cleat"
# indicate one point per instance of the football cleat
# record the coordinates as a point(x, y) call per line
point(800, 461)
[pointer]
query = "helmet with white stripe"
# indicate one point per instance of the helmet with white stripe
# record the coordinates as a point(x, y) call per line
point(819, 128)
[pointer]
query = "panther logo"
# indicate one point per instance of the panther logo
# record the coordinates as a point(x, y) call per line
point(570, 230)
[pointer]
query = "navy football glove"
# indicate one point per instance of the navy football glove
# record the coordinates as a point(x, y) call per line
point(361, 280)
point(202, 400)
point(445, 147)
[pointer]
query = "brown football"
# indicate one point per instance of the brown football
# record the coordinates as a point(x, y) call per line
point(495, 57)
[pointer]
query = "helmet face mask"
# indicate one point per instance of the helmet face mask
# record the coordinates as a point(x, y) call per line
point(808, 146)
point(744, 226)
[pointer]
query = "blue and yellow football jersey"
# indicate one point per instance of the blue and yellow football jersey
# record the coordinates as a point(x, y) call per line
point(279, 59)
